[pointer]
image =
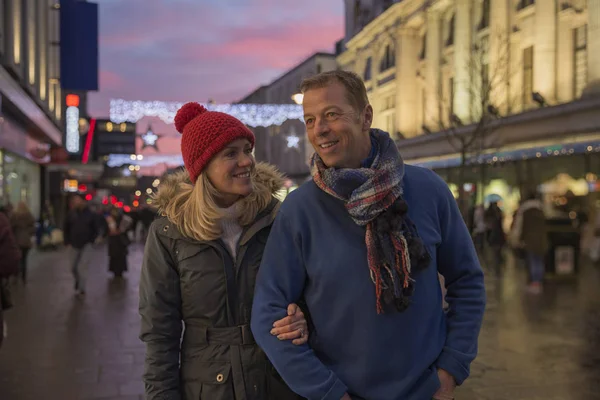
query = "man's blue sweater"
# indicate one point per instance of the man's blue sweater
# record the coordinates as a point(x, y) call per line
point(316, 251)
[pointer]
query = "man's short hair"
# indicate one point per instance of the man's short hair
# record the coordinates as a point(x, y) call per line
point(355, 87)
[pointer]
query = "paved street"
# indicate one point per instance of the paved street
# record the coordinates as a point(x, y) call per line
point(60, 347)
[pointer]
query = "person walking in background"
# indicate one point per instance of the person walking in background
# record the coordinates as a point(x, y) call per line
point(200, 263)
point(496, 238)
point(531, 232)
point(22, 222)
point(80, 231)
point(118, 241)
point(479, 228)
point(9, 265)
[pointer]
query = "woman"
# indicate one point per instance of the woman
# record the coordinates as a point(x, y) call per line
point(23, 227)
point(531, 233)
point(9, 254)
point(118, 224)
point(200, 266)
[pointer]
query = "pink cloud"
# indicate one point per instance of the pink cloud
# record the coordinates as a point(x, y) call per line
point(110, 80)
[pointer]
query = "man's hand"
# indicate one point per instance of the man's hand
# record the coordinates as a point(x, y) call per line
point(293, 327)
point(346, 397)
point(448, 384)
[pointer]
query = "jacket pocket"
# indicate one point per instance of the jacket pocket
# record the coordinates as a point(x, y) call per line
point(207, 381)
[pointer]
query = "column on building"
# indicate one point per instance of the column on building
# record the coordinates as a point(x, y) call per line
point(463, 84)
point(565, 47)
point(544, 51)
point(407, 84)
point(593, 47)
point(500, 55)
point(433, 56)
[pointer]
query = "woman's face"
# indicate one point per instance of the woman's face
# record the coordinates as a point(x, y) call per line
point(230, 171)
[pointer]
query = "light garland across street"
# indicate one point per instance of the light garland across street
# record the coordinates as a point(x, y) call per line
point(253, 115)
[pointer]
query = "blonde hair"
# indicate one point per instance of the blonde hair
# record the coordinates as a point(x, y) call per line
point(194, 209)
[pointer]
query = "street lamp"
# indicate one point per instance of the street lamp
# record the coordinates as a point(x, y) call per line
point(298, 97)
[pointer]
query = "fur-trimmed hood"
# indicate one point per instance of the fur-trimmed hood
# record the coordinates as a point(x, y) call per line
point(265, 178)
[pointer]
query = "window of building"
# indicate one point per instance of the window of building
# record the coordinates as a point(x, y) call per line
point(485, 15)
point(450, 39)
point(527, 76)
point(42, 40)
point(485, 83)
point(580, 60)
point(31, 41)
point(319, 68)
point(367, 71)
point(2, 27)
point(423, 106)
point(390, 124)
point(524, 4)
point(17, 17)
point(388, 60)
point(423, 48)
point(451, 96)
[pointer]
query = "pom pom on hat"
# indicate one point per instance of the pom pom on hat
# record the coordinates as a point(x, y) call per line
point(186, 113)
point(204, 134)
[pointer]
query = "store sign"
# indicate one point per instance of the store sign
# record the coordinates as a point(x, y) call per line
point(71, 185)
point(72, 123)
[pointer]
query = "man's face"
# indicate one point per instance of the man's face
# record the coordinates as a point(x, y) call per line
point(338, 131)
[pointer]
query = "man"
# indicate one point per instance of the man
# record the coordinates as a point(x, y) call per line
point(80, 231)
point(362, 244)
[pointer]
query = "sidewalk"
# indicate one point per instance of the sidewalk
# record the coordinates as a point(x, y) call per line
point(62, 348)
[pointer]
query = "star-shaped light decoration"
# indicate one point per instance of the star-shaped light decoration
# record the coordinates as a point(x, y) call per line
point(150, 138)
point(293, 140)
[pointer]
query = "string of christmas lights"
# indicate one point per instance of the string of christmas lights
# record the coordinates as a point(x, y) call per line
point(253, 115)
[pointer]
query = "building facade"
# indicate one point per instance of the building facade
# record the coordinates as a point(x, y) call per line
point(527, 71)
point(31, 110)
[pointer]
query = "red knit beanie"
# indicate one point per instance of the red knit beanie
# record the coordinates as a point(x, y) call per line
point(205, 133)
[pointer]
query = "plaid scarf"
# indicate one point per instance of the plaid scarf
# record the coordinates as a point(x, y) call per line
point(373, 197)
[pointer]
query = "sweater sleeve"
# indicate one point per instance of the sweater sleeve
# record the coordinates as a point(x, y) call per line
point(281, 280)
point(458, 263)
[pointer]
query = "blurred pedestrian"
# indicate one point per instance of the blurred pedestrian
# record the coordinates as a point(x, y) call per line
point(80, 231)
point(496, 238)
point(200, 263)
point(9, 265)
point(118, 241)
point(479, 228)
point(22, 222)
point(531, 230)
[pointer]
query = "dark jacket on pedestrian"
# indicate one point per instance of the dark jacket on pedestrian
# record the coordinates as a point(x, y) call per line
point(534, 233)
point(197, 285)
point(80, 228)
point(23, 226)
point(9, 264)
point(495, 231)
